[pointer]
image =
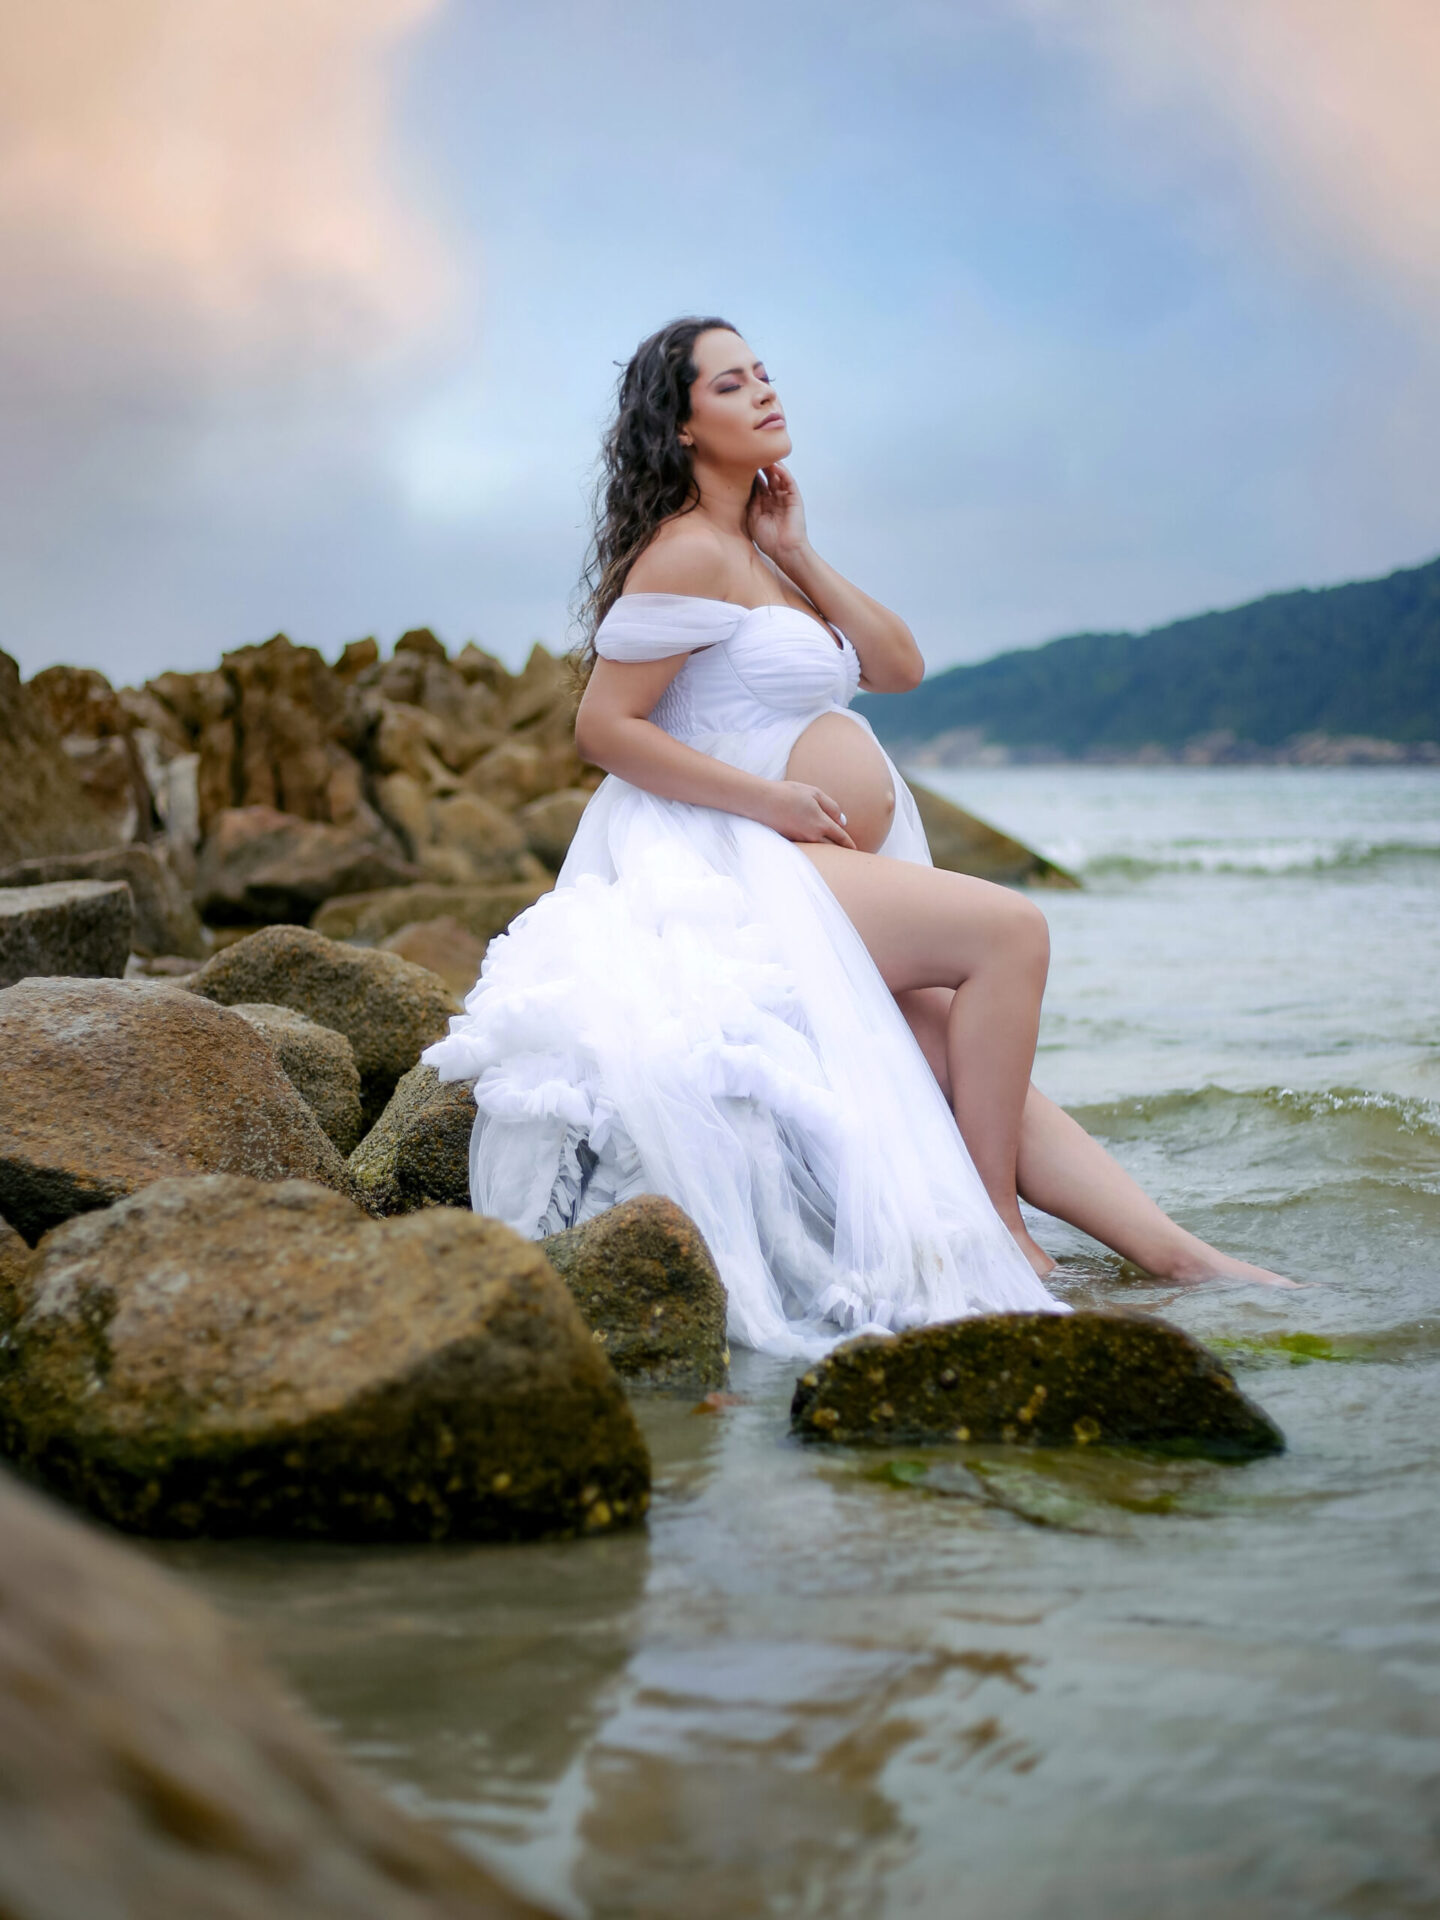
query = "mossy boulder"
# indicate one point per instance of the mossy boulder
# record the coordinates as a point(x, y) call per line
point(152, 1769)
point(317, 1061)
point(15, 1256)
point(106, 1085)
point(217, 1356)
point(1033, 1379)
point(418, 1152)
point(643, 1277)
point(387, 1009)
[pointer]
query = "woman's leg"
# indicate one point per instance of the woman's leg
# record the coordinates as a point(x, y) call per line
point(1063, 1171)
point(990, 947)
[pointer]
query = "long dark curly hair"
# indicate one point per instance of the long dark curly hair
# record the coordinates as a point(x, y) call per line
point(645, 475)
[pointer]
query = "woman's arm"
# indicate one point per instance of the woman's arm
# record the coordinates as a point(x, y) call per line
point(890, 661)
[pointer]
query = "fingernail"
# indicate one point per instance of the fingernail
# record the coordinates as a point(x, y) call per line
point(842, 819)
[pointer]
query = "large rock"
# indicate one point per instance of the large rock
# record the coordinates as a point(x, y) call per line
point(152, 1769)
point(318, 1062)
point(387, 1009)
point(519, 770)
point(44, 808)
point(296, 723)
point(106, 1085)
point(1033, 1379)
point(79, 927)
point(165, 921)
point(544, 683)
point(97, 731)
point(15, 1256)
point(458, 840)
point(260, 865)
point(962, 843)
point(549, 824)
point(443, 947)
point(418, 1152)
point(643, 1277)
point(203, 706)
point(373, 917)
point(219, 1357)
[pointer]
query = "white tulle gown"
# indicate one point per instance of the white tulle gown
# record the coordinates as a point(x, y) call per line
point(691, 1013)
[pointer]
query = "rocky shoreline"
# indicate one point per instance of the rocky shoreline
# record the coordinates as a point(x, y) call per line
point(241, 1288)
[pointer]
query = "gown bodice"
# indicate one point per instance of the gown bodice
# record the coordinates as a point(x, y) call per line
point(767, 669)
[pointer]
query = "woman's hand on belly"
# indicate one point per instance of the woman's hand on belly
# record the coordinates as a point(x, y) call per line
point(842, 759)
point(802, 812)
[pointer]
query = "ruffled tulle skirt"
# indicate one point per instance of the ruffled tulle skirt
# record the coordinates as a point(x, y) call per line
point(690, 1012)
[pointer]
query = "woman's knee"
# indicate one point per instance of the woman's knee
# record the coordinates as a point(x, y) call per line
point(1025, 933)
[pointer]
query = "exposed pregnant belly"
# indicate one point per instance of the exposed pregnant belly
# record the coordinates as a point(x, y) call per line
point(844, 761)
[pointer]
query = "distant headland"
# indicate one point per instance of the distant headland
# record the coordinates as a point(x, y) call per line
point(1335, 676)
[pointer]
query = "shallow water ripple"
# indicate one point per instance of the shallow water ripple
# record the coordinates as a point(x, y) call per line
point(994, 1684)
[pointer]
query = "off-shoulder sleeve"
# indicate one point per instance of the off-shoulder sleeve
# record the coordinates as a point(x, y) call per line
point(652, 626)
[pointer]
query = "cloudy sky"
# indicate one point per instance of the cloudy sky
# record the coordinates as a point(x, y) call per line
point(1086, 313)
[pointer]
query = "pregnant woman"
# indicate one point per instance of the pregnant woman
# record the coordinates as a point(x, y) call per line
point(750, 989)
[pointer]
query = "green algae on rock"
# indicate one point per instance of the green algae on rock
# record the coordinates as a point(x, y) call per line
point(643, 1277)
point(217, 1356)
point(1033, 1379)
point(418, 1152)
point(388, 1010)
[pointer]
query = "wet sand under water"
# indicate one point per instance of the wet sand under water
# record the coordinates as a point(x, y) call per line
point(985, 1683)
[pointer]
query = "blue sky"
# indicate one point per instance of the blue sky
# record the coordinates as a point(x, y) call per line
point(1086, 313)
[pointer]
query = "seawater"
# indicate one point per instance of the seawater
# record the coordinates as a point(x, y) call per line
point(1004, 1685)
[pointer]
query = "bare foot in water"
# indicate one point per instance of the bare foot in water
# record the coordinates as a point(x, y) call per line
point(1205, 1264)
point(1040, 1260)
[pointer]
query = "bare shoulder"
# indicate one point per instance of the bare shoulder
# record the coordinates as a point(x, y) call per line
point(686, 555)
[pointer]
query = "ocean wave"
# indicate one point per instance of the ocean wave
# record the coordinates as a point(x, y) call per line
point(1265, 861)
point(1354, 1131)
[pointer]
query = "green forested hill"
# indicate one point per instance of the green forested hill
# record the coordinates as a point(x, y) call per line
point(1359, 659)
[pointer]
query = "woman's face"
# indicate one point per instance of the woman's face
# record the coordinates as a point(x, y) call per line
point(735, 417)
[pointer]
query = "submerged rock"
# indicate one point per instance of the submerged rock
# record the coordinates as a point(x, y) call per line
point(151, 1767)
point(216, 1356)
point(418, 1152)
point(372, 917)
point(318, 1062)
point(1033, 1379)
point(106, 1085)
point(961, 843)
point(75, 927)
point(387, 1009)
point(643, 1277)
point(165, 921)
